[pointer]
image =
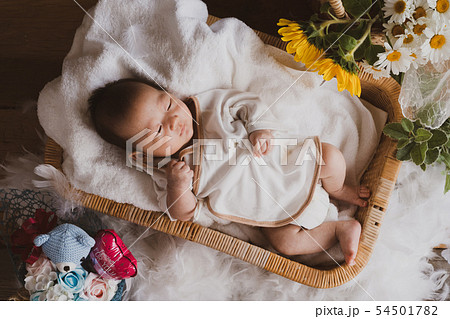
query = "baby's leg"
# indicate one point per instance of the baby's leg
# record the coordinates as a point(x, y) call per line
point(332, 175)
point(294, 240)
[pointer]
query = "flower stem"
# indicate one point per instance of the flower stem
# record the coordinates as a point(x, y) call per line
point(364, 36)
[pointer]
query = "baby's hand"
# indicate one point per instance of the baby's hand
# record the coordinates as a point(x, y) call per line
point(179, 175)
point(261, 141)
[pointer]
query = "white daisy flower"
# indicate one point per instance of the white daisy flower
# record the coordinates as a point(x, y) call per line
point(418, 59)
point(437, 46)
point(417, 27)
point(441, 12)
point(398, 10)
point(376, 72)
point(432, 3)
point(410, 40)
point(397, 59)
point(393, 30)
point(421, 9)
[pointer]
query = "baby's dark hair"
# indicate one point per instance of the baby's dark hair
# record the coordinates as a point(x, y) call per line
point(108, 105)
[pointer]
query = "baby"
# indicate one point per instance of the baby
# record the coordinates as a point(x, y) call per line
point(124, 108)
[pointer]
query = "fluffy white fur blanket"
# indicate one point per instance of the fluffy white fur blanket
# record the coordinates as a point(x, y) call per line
point(169, 41)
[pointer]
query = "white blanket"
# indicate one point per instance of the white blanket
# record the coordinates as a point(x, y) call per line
point(168, 41)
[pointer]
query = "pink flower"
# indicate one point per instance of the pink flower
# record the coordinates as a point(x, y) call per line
point(98, 288)
point(40, 266)
point(41, 275)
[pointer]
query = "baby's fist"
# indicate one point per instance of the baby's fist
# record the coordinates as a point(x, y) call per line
point(179, 175)
point(261, 141)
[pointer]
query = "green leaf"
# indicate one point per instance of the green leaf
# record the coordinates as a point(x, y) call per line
point(325, 7)
point(407, 125)
point(404, 154)
point(358, 31)
point(395, 131)
point(439, 138)
point(418, 153)
point(423, 135)
point(356, 7)
point(371, 53)
point(402, 142)
point(445, 157)
point(447, 182)
point(314, 34)
point(331, 37)
point(423, 167)
point(431, 156)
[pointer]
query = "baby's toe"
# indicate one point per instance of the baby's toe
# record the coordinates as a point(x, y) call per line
point(361, 202)
point(364, 192)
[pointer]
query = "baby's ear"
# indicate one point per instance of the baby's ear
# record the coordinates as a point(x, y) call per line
point(41, 239)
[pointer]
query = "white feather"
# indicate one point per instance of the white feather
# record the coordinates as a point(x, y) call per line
point(133, 40)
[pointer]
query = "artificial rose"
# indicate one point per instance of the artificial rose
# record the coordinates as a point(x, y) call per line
point(73, 281)
point(98, 288)
point(40, 266)
point(40, 276)
point(36, 295)
point(56, 293)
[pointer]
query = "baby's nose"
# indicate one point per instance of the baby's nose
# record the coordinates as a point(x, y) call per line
point(174, 122)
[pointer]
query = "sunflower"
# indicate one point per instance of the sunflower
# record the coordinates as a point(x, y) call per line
point(315, 59)
point(346, 80)
point(305, 52)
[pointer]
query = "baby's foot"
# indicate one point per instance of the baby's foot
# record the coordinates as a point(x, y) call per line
point(348, 232)
point(352, 194)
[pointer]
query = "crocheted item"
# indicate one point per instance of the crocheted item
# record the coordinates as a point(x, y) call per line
point(66, 246)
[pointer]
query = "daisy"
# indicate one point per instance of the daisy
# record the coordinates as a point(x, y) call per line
point(422, 9)
point(418, 60)
point(410, 40)
point(393, 30)
point(376, 72)
point(437, 46)
point(419, 26)
point(441, 12)
point(397, 59)
point(398, 10)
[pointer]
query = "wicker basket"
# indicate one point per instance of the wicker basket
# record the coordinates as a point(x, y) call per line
point(380, 177)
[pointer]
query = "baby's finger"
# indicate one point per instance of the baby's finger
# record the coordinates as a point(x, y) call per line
point(256, 149)
point(263, 149)
point(180, 165)
point(172, 163)
point(186, 168)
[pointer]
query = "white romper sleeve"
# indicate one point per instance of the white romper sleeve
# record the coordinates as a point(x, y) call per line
point(160, 185)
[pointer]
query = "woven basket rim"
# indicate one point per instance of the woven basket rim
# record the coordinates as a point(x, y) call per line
point(385, 170)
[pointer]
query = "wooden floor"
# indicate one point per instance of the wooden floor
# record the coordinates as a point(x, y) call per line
point(39, 33)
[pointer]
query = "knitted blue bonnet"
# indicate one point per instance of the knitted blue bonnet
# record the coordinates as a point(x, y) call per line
point(65, 243)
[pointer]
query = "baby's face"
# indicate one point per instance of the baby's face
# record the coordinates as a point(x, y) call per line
point(168, 119)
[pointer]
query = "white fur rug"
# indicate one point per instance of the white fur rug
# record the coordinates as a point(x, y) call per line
point(417, 219)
